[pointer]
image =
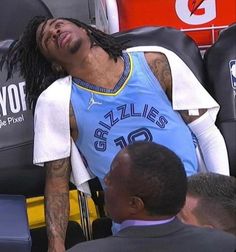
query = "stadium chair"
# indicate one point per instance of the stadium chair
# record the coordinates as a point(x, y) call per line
point(18, 176)
point(15, 15)
point(220, 64)
point(14, 230)
point(184, 46)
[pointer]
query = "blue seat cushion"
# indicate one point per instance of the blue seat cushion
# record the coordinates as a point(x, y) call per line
point(14, 228)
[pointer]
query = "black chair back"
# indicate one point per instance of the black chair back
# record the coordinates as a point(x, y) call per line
point(18, 175)
point(170, 38)
point(220, 63)
point(15, 14)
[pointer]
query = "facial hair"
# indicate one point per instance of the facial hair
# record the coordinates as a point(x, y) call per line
point(75, 47)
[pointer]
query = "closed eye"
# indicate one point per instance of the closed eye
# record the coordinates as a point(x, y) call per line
point(46, 40)
point(58, 24)
point(42, 38)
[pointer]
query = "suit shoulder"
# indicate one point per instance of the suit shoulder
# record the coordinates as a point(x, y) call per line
point(98, 245)
point(213, 237)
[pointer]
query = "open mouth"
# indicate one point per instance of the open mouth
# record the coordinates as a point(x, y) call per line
point(63, 39)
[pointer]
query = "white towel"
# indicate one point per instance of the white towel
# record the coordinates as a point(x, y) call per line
point(52, 130)
point(52, 139)
point(51, 123)
point(80, 175)
point(187, 92)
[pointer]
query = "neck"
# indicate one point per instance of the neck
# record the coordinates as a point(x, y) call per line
point(97, 68)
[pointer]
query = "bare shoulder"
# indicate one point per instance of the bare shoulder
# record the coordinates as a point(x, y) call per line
point(160, 67)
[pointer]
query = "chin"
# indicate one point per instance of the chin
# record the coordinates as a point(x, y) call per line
point(74, 48)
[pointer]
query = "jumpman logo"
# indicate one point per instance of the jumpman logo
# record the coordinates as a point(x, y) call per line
point(92, 102)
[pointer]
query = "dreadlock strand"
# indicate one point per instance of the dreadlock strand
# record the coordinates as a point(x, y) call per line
point(6, 59)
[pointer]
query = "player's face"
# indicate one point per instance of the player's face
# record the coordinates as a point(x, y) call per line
point(58, 39)
point(116, 196)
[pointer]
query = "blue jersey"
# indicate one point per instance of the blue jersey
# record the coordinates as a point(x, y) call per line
point(136, 109)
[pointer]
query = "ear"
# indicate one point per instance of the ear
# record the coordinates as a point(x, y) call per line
point(57, 68)
point(136, 205)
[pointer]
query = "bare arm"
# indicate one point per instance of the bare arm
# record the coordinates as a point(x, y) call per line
point(210, 140)
point(161, 69)
point(57, 203)
point(57, 196)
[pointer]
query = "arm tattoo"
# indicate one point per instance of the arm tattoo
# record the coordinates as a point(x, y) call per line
point(161, 69)
point(58, 168)
point(57, 199)
point(57, 212)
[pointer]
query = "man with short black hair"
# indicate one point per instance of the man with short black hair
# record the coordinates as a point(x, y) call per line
point(211, 202)
point(144, 191)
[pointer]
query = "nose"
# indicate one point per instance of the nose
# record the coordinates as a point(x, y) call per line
point(54, 32)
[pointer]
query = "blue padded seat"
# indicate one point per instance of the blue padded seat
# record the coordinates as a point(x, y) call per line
point(14, 229)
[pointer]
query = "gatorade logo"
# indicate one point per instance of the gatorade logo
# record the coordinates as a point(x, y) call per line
point(232, 67)
point(196, 12)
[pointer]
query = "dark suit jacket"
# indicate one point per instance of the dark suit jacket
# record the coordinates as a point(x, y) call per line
point(171, 237)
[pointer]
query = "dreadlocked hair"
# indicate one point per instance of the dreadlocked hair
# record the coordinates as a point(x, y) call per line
point(24, 55)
